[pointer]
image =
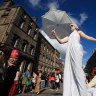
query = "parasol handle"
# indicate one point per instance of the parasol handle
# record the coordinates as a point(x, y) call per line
point(54, 30)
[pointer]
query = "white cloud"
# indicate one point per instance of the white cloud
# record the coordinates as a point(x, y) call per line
point(79, 22)
point(53, 5)
point(49, 5)
point(84, 17)
point(34, 2)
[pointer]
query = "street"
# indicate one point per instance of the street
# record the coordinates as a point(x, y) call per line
point(45, 92)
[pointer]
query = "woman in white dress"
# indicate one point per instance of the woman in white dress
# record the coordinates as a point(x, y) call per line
point(74, 76)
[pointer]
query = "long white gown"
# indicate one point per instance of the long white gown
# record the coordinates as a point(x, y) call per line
point(74, 76)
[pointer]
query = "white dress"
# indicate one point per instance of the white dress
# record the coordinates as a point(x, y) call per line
point(74, 76)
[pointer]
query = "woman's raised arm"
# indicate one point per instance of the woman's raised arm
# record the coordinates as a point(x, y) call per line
point(61, 41)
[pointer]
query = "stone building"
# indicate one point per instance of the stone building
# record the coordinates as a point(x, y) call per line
point(47, 57)
point(18, 31)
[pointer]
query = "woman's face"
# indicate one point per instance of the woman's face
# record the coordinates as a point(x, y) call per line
point(72, 27)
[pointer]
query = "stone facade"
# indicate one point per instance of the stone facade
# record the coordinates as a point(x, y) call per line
point(18, 31)
point(47, 56)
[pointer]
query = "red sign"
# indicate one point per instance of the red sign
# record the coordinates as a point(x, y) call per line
point(14, 54)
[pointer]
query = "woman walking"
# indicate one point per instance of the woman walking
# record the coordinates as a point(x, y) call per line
point(38, 82)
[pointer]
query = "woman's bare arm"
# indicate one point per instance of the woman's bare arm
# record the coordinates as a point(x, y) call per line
point(86, 36)
point(61, 41)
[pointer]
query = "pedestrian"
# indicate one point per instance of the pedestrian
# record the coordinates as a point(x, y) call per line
point(34, 80)
point(1, 66)
point(44, 77)
point(2, 71)
point(53, 81)
point(38, 82)
point(60, 77)
point(15, 84)
point(9, 76)
point(29, 84)
point(49, 80)
point(25, 77)
point(74, 76)
point(57, 82)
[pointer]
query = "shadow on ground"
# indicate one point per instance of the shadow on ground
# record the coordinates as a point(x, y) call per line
point(56, 94)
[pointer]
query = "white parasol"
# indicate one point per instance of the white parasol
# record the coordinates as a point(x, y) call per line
point(58, 20)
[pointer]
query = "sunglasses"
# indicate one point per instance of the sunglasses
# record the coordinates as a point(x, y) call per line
point(71, 25)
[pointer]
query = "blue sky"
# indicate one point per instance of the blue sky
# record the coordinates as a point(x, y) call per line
point(82, 11)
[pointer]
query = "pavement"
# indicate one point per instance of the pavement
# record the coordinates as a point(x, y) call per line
point(45, 92)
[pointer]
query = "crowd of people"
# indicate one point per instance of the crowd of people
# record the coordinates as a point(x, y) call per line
point(25, 82)
point(16, 81)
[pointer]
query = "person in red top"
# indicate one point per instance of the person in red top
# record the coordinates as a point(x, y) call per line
point(52, 80)
point(49, 80)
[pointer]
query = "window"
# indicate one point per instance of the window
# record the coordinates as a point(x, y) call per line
point(45, 69)
point(29, 30)
point(21, 23)
point(29, 66)
point(43, 57)
point(31, 50)
point(37, 29)
point(15, 40)
point(47, 50)
point(34, 36)
point(31, 22)
point(25, 16)
point(46, 59)
point(24, 46)
point(16, 43)
point(40, 57)
point(44, 47)
point(51, 62)
point(22, 66)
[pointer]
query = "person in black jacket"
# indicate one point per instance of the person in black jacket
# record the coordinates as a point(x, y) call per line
point(10, 75)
